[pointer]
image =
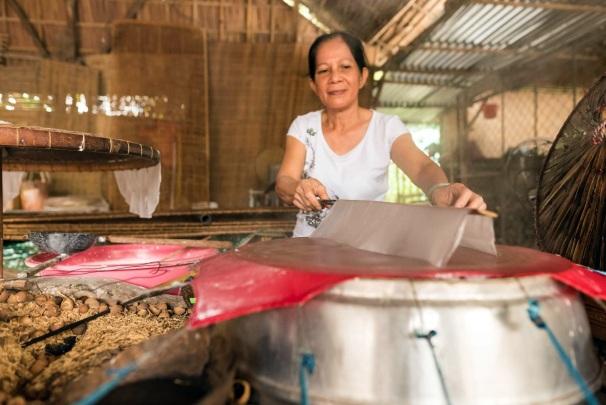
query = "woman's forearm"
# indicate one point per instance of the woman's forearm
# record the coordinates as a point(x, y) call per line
point(429, 175)
point(423, 171)
point(285, 188)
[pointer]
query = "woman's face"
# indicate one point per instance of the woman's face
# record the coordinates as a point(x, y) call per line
point(338, 79)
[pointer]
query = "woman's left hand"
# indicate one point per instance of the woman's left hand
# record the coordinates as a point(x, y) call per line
point(457, 195)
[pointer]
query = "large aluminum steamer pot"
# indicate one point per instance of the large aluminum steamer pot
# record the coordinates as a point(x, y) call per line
point(362, 334)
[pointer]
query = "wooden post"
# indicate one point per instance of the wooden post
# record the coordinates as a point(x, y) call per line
point(295, 14)
point(72, 26)
point(173, 175)
point(574, 81)
point(376, 98)
point(1, 222)
point(536, 112)
point(221, 20)
point(249, 21)
point(134, 9)
point(502, 196)
point(206, 114)
point(272, 16)
point(5, 15)
point(194, 13)
point(503, 141)
point(462, 135)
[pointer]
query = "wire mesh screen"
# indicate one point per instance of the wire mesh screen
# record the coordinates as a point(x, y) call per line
point(480, 143)
point(554, 106)
point(507, 138)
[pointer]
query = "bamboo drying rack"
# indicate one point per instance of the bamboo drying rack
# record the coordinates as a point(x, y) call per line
point(46, 149)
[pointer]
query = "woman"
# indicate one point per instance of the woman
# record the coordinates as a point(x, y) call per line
point(344, 150)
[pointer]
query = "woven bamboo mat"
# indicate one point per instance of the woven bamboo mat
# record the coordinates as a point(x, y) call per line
point(190, 224)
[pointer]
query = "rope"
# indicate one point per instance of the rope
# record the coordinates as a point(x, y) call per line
point(535, 317)
point(428, 336)
point(308, 364)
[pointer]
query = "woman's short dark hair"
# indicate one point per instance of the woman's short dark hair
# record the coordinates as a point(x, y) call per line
point(353, 43)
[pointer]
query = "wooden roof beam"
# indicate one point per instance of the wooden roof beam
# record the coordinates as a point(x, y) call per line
point(388, 29)
point(29, 27)
point(411, 104)
point(131, 14)
point(424, 82)
point(134, 9)
point(404, 28)
point(573, 6)
point(72, 26)
point(450, 7)
point(437, 71)
point(527, 51)
point(327, 22)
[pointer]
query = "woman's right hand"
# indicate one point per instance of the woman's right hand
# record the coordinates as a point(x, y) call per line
point(308, 194)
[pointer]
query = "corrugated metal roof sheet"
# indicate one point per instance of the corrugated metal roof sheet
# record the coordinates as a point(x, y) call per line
point(494, 36)
point(400, 94)
point(415, 115)
point(443, 96)
point(484, 38)
point(476, 39)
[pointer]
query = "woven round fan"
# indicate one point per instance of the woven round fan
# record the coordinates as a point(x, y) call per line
point(571, 198)
point(265, 160)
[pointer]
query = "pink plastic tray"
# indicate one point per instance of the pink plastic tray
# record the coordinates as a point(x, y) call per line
point(144, 265)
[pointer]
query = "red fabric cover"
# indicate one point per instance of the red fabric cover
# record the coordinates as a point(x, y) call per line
point(269, 275)
point(583, 280)
point(227, 287)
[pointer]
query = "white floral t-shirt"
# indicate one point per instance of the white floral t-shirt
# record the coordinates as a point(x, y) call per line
point(360, 174)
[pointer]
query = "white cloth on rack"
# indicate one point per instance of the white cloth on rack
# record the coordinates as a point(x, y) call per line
point(11, 181)
point(140, 189)
point(11, 184)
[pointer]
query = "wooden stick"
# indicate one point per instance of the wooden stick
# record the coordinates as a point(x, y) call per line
point(184, 242)
point(487, 213)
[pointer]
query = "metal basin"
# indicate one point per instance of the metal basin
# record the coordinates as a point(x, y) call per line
point(363, 337)
point(61, 242)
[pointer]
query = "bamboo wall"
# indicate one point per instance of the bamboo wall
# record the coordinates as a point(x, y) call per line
point(255, 92)
point(45, 78)
point(170, 72)
point(244, 89)
point(223, 20)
